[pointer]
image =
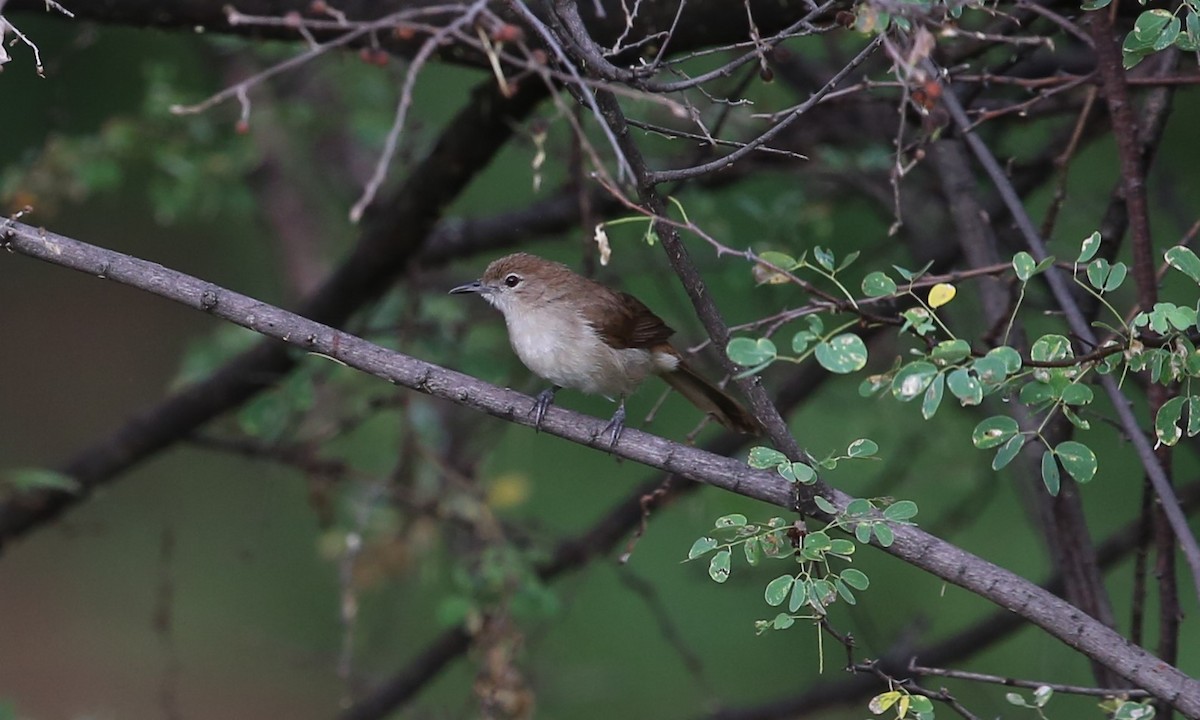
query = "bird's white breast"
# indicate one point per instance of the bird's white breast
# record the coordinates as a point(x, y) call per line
point(562, 347)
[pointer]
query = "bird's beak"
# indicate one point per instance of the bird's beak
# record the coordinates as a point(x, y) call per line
point(471, 287)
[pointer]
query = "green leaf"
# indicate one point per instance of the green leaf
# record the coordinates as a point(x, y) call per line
point(1181, 318)
point(728, 521)
point(801, 340)
point(1051, 348)
point(912, 379)
point(884, 535)
point(798, 472)
point(856, 579)
point(1184, 260)
point(919, 320)
point(989, 370)
point(900, 511)
point(764, 457)
point(749, 352)
point(1077, 394)
point(718, 568)
point(949, 352)
point(994, 431)
point(1116, 276)
point(933, 396)
point(823, 591)
point(800, 592)
point(1095, 4)
point(858, 507)
point(702, 546)
point(861, 448)
point(33, 479)
point(824, 505)
point(1166, 422)
point(783, 261)
point(1167, 37)
point(843, 354)
point(1193, 409)
point(817, 541)
point(874, 385)
point(1077, 459)
point(1008, 451)
point(1050, 476)
point(878, 284)
point(920, 704)
point(965, 386)
point(911, 275)
point(753, 550)
point(1023, 265)
point(824, 257)
point(844, 591)
point(1010, 357)
point(1151, 24)
point(862, 532)
point(783, 621)
point(1035, 393)
point(842, 546)
point(778, 589)
point(848, 260)
point(1097, 272)
point(1188, 41)
point(1075, 419)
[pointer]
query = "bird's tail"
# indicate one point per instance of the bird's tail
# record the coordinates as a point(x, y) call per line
point(711, 399)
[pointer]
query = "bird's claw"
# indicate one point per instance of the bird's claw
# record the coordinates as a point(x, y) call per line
point(615, 426)
point(541, 404)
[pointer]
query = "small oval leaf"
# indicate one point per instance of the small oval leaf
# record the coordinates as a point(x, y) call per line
point(764, 457)
point(1050, 476)
point(965, 386)
point(912, 379)
point(933, 396)
point(1184, 260)
point(702, 546)
point(749, 352)
point(861, 448)
point(718, 567)
point(878, 284)
point(994, 431)
point(1091, 244)
point(1023, 265)
point(843, 354)
point(778, 589)
point(1077, 459)
point(941, 294)
point(1166, 422)
point(1008, 451)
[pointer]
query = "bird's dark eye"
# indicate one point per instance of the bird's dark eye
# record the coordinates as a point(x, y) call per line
point(512, 280)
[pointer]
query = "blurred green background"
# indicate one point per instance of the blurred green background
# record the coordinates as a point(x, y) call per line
point(205, 585)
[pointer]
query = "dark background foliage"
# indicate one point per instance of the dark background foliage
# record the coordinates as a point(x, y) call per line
point(201, 582)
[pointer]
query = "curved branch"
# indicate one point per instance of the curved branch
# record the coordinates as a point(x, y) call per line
point(916, 547)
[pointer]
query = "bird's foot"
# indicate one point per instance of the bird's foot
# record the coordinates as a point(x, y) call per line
point(542, 403)
point(615, 426)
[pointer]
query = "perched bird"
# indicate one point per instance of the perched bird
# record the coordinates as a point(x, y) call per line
point(579, 334)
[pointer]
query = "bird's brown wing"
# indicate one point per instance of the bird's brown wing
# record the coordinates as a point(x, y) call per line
point(623, 321)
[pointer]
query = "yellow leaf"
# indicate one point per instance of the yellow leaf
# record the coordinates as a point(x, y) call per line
point(941, 294)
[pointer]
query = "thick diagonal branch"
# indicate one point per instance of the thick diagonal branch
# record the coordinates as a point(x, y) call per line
point(941, 559)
